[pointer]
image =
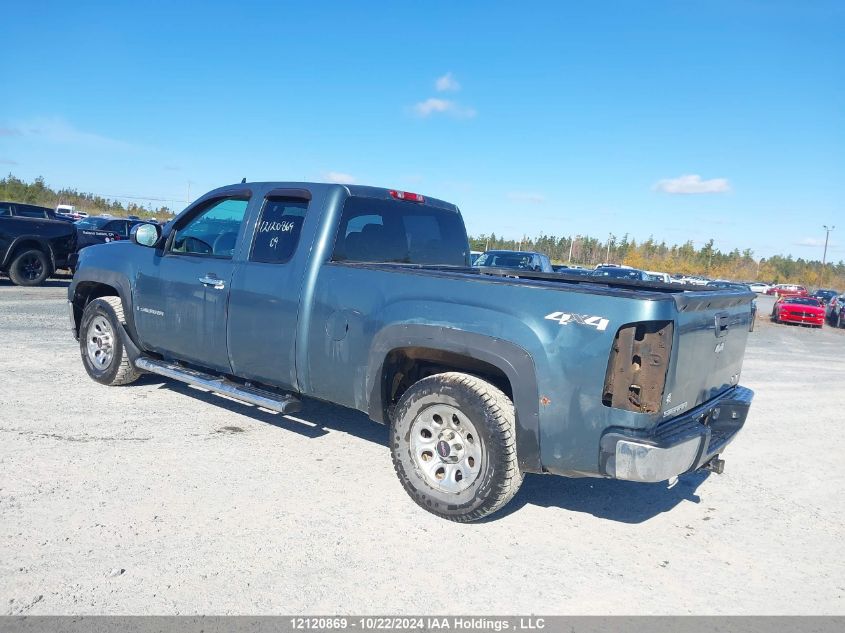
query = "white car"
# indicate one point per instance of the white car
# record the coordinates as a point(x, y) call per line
point(759, 287)
point(658, 276)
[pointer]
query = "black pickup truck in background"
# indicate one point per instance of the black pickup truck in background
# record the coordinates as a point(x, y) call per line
point(34, 242)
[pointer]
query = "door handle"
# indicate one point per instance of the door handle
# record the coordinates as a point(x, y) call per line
point(214, 282)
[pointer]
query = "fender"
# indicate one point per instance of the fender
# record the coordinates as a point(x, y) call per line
point(115, 280)
point(44, 244)
point(512, 360)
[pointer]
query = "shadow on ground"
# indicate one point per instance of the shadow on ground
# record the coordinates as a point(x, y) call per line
point(53, 282)
point(621, 501)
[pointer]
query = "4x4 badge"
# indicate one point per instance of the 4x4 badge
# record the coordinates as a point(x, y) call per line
point(565, 318)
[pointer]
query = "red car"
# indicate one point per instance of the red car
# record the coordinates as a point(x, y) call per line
point(803, 310)
point(787, 290)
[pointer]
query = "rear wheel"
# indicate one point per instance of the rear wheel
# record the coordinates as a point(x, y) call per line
point(30, 268)
point(102, 350)
point(453, 444)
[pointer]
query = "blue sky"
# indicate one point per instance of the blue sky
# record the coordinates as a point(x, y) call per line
point(685, 120)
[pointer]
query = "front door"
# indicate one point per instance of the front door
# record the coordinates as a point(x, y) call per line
point(181, 298)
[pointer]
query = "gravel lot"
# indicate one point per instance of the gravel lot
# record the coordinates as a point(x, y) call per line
point(161, 499)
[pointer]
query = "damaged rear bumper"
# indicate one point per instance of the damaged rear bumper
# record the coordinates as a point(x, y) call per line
point(681, 445)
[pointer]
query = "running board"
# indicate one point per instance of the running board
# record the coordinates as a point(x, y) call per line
point(245, 393)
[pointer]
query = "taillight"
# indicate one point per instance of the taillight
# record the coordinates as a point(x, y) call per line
point(407, 196)
point(636, 369)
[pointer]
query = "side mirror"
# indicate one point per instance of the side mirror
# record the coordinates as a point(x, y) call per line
point(145, 234)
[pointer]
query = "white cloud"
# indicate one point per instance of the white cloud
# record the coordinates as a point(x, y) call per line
point(691, 184)
point(527, 196)
point(340, 178)
point(4, 161)
point(57, 130)
point(447, 83)
point(813, 241)
point(425, 109)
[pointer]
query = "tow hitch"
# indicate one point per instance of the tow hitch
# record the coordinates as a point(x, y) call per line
point(715, 465)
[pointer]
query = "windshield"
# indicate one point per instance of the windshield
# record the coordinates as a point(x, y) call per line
point(92, 223)
point(518, 260)
point(804, 301)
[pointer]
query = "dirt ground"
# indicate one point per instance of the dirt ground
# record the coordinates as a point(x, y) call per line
point(157, 498)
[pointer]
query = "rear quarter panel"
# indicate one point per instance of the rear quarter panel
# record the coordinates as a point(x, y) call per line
point(353, 305)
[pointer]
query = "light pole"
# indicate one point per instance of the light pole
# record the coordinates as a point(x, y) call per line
point(824, 256)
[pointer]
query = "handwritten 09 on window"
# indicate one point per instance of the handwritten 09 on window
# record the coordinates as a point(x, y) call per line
point(278, 230)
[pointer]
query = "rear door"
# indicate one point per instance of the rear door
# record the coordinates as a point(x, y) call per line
point(265, 296)
point(181, 297)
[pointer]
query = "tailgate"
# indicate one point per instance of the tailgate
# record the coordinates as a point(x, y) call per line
point(711, 331)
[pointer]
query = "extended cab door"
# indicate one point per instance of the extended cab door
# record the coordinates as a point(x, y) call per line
point(181, 295)
point(264, 302)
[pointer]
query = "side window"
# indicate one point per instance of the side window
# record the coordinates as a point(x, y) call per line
point(25, 211)
point(212, 232)
point(5, 210)
point(278, 230)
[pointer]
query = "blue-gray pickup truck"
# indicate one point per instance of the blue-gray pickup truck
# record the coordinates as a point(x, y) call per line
point(365, 297)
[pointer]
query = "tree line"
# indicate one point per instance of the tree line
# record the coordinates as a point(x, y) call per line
point(686, 259)
point(39, 193)
point(579, 250)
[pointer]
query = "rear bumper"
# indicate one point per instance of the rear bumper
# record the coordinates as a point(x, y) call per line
point(681, 445)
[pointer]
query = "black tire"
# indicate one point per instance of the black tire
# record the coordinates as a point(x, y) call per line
point(490, 413)
point(99, 329)
point(30, 268)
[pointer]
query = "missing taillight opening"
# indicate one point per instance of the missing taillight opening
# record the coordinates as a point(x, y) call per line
point(636, 369)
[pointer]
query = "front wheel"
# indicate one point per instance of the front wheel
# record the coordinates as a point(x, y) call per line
point(103, 354)
point(453, 444)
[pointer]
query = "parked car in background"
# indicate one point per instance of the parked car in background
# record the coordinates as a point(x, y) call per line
point(824, 296)
point(759, 287)
point(787, 290)
point(570, 270)
point(101, 229)
point(801, 310)
point(658, 276)
point(473, 256)
point(617, 272)
point(521, 260)
point(33, 244)
point(835, 311)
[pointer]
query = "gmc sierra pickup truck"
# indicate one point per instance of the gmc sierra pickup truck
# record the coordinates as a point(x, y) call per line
point(364, 297)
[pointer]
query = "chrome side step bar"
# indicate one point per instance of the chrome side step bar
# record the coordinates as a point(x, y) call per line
point(245, 393)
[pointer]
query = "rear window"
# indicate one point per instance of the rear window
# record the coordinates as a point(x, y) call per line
point(396, 231)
